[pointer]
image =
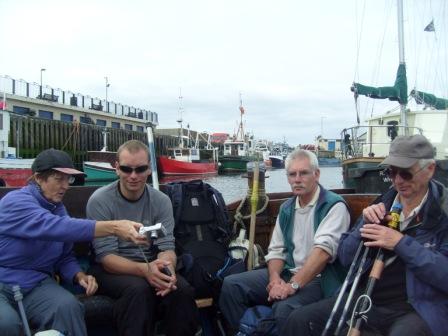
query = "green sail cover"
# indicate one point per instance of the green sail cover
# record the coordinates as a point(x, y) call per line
point(398, 92)
point(430, 100)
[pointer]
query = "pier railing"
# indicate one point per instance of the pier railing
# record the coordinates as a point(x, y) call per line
point(23, 88)
point(371, 140)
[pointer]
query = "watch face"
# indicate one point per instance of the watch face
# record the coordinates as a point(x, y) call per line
point(295, 285)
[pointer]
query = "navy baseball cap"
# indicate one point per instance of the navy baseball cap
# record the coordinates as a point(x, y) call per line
point(56, 160)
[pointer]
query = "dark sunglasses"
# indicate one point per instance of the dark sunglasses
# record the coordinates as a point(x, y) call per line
point(405, 174)
point(137, 170)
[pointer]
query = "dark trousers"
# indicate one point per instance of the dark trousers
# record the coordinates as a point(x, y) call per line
point(137, 306)
point(382, 320)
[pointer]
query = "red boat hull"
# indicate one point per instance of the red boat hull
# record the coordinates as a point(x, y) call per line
point(15, 177)
point(169, 166)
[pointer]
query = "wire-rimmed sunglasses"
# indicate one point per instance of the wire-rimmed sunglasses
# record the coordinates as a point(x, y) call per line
point(405, 174)
point(130, 170)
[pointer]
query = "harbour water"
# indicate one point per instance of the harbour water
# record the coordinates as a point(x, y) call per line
point(234, 186)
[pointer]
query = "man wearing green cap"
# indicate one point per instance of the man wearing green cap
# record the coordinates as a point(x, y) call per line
point(411, 297)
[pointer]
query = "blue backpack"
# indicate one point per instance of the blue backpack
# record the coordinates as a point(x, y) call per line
point(258, 321)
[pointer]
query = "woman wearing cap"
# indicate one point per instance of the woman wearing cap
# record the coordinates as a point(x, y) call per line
point(36, 240)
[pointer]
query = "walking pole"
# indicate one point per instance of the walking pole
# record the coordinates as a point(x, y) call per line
point(253, 215)
point(353, 290)
point(152, 154)
point(375, 273)
point(18, 297)
point(343, 289)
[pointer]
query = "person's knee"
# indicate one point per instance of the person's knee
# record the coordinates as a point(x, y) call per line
point(10, 324)
point(186, 291)
point(295, 321)
point(230, 281)
point(138, 290)
point(281, 310)
point(68, 304)
point(410, 324)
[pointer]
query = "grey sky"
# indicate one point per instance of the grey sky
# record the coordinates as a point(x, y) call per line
point(293, 61)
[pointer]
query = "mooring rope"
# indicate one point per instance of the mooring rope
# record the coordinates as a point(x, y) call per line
point(239, 217)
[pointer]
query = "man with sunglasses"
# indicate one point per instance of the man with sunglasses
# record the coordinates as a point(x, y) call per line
point(143, 281)
point(411, 297)
point(302, 251)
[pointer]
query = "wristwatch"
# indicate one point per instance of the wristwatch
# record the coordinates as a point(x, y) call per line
point(294, 285)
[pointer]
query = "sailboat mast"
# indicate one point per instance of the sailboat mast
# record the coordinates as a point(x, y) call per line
point(403, 116)
point(181, 130)
point(241, 127)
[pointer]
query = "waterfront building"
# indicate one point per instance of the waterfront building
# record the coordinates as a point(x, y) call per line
point(32, 99)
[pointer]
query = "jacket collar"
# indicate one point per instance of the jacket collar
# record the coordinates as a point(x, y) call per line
point(434, 209)
point(37, 193)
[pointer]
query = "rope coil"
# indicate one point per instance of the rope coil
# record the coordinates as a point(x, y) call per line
point(240, 217)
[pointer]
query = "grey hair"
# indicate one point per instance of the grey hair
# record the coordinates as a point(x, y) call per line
point(425, 162)
point(302, 154)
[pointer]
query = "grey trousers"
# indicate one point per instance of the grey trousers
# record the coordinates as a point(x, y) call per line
point(382, 320)
point(47, 306)
point(248, 289)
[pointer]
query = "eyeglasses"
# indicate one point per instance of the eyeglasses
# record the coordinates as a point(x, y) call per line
point(405, 174)
point(130, 170)
point(60, 179)
point(303, 173)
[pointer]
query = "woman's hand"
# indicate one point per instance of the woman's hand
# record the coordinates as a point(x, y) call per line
point(88, 282)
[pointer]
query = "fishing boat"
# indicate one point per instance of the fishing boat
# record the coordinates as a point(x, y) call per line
point(278, 154)
point(236, 152)
point(188, 158)
point(261, 151)
point(14, 172)
point(364, 147)
point(188, 161)
point(277, 161)
point(100, 165)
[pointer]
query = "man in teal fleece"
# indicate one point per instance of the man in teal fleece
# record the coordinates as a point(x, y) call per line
point(301, 255)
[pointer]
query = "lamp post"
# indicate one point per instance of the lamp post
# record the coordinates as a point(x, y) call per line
point(107, 86)
point(322, 127)
point(41, 71)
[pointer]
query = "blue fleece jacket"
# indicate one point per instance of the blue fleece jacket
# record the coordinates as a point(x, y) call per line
point(425, 257)
point(36, 238)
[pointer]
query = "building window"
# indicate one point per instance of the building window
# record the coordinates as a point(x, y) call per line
point(66, 117)
point(85, 120)
point(101, 122)
point(140, 129)
point(1, 121)
point(115, 124)
point(45, 114)
point(128, 127)
point(21, 110)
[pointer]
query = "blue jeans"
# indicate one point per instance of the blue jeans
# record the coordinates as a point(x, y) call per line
point(47, 306)
point(244, 290)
